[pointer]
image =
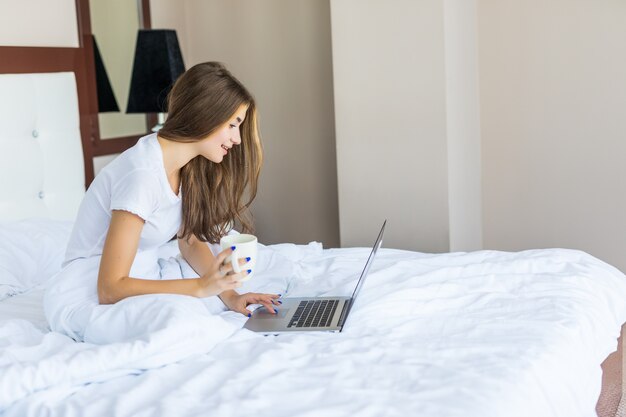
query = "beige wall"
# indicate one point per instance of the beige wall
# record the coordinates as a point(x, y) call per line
point(280, 49)
point(551, 124)
point(168, 14)
point(407, 121)
point(553, 98)
point(389, 78)
point(38, 23)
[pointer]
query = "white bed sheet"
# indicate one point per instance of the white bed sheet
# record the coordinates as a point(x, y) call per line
point(26, 306)
point(477, 334)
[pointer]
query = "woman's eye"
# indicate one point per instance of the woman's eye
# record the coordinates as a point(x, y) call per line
point(233, 126)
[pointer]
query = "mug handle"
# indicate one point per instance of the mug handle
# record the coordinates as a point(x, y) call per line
point(234, 260)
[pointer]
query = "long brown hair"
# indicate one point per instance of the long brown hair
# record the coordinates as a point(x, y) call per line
point(204, 98)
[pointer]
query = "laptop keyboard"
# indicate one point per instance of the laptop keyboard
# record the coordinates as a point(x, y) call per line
point(314, 313)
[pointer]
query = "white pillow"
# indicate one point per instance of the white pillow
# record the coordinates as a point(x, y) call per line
point(31, 251)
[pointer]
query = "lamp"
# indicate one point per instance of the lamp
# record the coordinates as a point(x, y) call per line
point(106, 98)
point(158, 63)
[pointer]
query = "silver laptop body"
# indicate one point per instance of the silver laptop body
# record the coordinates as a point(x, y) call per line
point(307, 314)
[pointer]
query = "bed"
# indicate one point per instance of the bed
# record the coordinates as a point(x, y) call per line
point(484, 333)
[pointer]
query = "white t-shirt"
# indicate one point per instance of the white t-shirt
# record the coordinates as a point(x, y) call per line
point(136, 182)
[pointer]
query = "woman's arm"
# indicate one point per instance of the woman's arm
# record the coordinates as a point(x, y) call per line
point(118, 254)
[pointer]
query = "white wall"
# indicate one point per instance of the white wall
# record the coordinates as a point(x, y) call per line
point(281, 51)
point(38, 23)
point(553, 97)
point(463, 125)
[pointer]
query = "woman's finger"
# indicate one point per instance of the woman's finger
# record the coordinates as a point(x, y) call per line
point(272, 298)
point(263, 299)
point(243, 261)
point(227, 284)
point(233, 285)
point(269, 306)
point(259, 294)
point(221, 272)
point(243, 273)
point(221, 257)
point(227, 269)
point(266, 298)
point(234, 280)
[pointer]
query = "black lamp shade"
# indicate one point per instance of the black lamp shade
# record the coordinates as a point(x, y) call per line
point(106, 98)
point(158, 63)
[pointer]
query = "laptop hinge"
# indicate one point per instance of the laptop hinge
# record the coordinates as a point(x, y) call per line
point(344, 312)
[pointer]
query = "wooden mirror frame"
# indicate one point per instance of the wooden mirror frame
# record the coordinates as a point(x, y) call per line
point(23, 59)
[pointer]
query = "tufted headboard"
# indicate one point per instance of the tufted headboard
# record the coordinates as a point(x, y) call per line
point(41, 156)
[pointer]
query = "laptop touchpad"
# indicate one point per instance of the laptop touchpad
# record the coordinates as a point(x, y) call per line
point(262, 313)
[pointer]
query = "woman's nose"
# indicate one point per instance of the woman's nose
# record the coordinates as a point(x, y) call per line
point(236, 139)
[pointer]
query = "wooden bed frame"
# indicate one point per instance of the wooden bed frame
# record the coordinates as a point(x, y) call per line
point(19, 60)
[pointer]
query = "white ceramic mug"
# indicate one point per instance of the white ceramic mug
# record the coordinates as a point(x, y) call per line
point(246, 246)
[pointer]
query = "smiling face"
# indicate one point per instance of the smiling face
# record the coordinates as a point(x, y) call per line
point(216, 146)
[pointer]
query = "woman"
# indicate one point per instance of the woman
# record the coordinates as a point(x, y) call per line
point(188, 181)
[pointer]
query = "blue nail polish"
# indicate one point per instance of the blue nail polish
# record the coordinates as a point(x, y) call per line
point(279, 295)
point(233, 247)
point(249, 270)
point(249, 315)
point(248, 259)
point(280, 302)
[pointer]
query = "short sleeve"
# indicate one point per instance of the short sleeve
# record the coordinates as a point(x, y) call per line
point(137, 192)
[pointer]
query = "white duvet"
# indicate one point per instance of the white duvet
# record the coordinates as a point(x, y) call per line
point(465, 334)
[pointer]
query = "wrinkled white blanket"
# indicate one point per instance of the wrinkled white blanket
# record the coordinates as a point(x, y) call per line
point(477, 334)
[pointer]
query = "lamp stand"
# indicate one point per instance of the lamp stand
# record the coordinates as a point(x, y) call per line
point(160, 122)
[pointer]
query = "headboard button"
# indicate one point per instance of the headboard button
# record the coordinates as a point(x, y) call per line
point(35, 133)
point(42, 194)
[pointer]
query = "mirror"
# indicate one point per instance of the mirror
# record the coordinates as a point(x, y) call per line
point(115, 23)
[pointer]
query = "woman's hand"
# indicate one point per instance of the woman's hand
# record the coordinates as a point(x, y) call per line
point(220, 276)
point(239, 303)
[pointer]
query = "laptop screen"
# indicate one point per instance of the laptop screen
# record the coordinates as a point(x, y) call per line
point(370, 260)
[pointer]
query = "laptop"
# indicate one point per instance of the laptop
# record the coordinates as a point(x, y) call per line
point(328, 314)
